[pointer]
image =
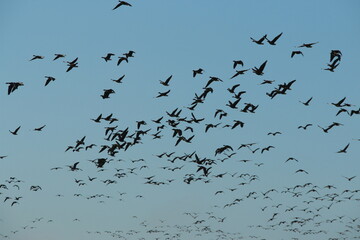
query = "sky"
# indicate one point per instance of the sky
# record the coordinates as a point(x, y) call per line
point(173, 38)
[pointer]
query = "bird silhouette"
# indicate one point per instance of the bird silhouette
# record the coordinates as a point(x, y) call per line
point(260, 41)
point(273, 42)
point(344, 150)
point(122, 3)
point(259, 71)
point(107, 93)
point(15, 132)
point(39, 128)
point(48, 80)
point(13, 86)
point(293, 53)
point(198, 71)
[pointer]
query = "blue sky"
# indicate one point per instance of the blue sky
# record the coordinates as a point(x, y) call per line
point(174, 38)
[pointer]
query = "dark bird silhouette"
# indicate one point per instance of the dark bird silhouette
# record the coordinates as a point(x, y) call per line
point(344, 149)
point(239, 73)
point(308, 45)
point(58, 55)
point(335, 54)
point(108, 57)
point(274, 133)
point(122, 59)
point(107, 93)
point(205, 170)
point(260, 41)
point(98, 119)
point(166, 82)
point(74, 167)
point(273, 42)
point(339, 103)
point(39, 128)
point(48, 80)
point(350, 178)
point(266, 149)
point(122, 3)
point(13, 86)
point(293, 53)
point(36, 57)
point(198, 71)
point(267, 82)
point(72, 64)
point(301, 171)
point(15, 132)
point(237, 62)
point(232, 89)
point(163, 94)
point(129, 54)
point(306, 126)
point(259, 71)
point(307, 102)
point(119, 80)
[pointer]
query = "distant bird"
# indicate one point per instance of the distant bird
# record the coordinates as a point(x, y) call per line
point(74, 167)
point(72, 64)
point(2, 157)
point(267, 82)
point(166, 82)
point(344, 149)
point(335, 54)
point(98, 119)
point(301, 171)
point(57, 56)
point(36, 57)
point(259, 71)
point(237, 62)
point(339, 103)
point(307, 102)
point(239, 73)
point(15, 132)
point(129, 54)
point(163, 94)
point(273, 42)
point(232, 89)
point(122, 3)
point(108, 57)
point(198, 71)
point(260, 41)
point(308, 45)
point(40, 128)
point(306, 126)
point(49, 79)
point(107, 93)
point(274, 133)
point(13, 86)
point(291, 159)
point(293, 53)
point(350, 178)
point(119, 79)
point(122, 59)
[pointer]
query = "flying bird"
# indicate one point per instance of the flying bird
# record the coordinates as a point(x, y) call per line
point(122, 3)
point(15, 132)
point(48, 80)
point(39, 128)
point(259, 71)
point(13, 86)
point(198, 71)
point(293, 53)
point(273, 42)
point(260, 41)
point(107, 93)
point(166, 82)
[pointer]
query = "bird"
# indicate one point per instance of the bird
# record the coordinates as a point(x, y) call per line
point(293, 53)
point(122, 59)
point(119, 80)
point(122, 3)
point(344, 149)
point(39, 128)
point(13, 86)
point(108, 57)
point(59, 55)
point(166, 82)
point(273, 42)
point(306, 126)
point(259, 71)
point(48, 80)
point(260, 41)
point(15, 132)
point(267, 82)
point(301, 171)
point(308, 45)
point(239, 73)
point(74, 167)
point(36, 57)
point(72, 64)
point(237, 62)
point(107, 93)
point(307, 102)
point(163, 94)
point(198, 71)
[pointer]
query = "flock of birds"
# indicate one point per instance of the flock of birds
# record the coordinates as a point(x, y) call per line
point(181, 125)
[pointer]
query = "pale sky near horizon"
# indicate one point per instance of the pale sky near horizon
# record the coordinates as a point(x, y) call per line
point(175, 38)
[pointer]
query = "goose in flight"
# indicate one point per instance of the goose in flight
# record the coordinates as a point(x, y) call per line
point(36, 57)
point(122, 3)
point(260, 41)
point(273, 42)
point(15, 132)
point(259, 71)
point(13, 86)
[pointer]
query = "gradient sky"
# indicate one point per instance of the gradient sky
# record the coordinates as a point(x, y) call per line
point(174, 38)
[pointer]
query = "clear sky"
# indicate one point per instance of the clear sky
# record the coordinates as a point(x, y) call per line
point(172, 38)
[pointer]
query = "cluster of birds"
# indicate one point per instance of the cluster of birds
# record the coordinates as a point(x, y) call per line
point(182, 126)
